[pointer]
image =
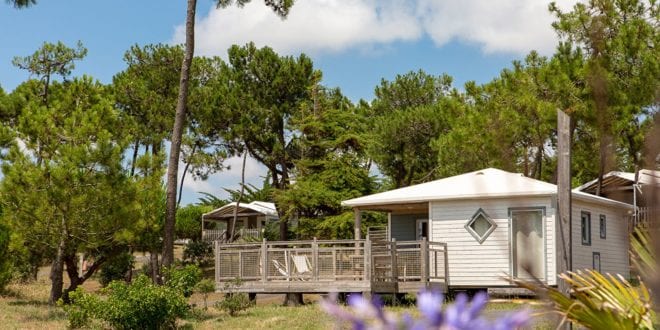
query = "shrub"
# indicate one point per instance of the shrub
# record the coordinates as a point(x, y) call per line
point(198, 252)
point(140, 305)
point(116, 268)
point(205, 287)
point(184, 279)
point(189, 221)
point(234, 302)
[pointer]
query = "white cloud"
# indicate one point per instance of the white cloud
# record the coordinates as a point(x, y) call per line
point(230, 179)
point(253, 170)
point(510, 26)
point(312, 26)
point(317, 26)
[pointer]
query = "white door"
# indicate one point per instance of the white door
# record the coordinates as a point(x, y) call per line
point(422, 229)
point(528, 244)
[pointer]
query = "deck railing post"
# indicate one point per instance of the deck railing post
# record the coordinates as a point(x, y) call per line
point(446, 268)
point(217, 262)
point(264, 261)
point(315, 259)
point(395, 268)
point(424, 260)
point(367, 260)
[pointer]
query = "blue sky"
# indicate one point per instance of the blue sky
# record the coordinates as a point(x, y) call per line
point(354, 42)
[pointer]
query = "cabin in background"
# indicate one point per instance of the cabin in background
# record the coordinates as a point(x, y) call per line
point(252, 219)
point(628, 187)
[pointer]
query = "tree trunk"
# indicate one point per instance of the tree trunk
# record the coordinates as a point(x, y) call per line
point(177, 132)
point(136, 148)
point(183, 176)
point(153, 261)
point(57, 271)
point(238, 202)
point(293, 299)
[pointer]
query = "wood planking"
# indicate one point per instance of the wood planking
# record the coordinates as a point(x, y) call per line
point(474, 264)
point(613, 249)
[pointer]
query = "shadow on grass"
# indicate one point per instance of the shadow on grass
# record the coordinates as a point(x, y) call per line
point(28, 303)
point(53, 314)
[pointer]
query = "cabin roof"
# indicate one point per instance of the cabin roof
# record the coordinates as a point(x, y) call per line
point(486, 183)
point(616, 179)
point(265, 208)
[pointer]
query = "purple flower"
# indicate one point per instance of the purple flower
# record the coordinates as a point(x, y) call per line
point(463, 314)
point(429, 304)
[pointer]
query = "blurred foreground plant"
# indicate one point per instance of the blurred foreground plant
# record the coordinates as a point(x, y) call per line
point(605, 301)
point(369, 314)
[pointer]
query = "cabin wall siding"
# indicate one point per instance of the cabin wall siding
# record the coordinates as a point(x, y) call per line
point(613, 249)
point(485, 264)
point(403, 226)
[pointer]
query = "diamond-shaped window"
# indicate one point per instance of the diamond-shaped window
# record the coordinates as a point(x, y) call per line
point(480, 226)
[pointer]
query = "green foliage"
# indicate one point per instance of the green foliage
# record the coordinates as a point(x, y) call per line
point(601, 301)
point(183, 279)
point(5, 263)
point(205, 287)
point(139, 305)
point(116, 268)
point(643, 258)
point(22, 3)
point(252, 193)
point(51, 59)
point(198, 252)
point(280, 7)
point(64, 189)
point(189, 221)
point(331, 165)
point(211, 200)
point(234, 302)
point(618, 81)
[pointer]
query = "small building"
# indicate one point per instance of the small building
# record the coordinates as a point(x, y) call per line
point(497, 225)
point(639, 189)
point(252, 218)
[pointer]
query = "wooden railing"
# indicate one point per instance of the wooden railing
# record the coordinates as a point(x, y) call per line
point(411, 261)
point(214, 235)
point(332, 265)
point(643, 217)
point(221, 235)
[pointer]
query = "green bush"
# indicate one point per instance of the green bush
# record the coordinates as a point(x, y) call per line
point(234, 302)
point(140, 305)
point(5, 261)
point(205, 287)
point(184, 279)
point(198, 252)
point(189, 221)
point(116, 268)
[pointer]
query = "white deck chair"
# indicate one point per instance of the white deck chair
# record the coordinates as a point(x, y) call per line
point(302, 264)
point(281, 269)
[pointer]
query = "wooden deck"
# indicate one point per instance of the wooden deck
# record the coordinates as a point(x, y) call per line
point(331, 266)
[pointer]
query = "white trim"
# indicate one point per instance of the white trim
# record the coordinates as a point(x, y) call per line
point(480, 238)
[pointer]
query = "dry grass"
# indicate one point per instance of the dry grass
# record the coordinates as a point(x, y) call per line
point(25, 307)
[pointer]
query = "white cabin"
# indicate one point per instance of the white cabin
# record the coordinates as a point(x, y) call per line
point(251, 220)
point(499, 225)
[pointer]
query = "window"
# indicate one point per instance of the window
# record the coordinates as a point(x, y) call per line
point(480, 226)
point(603, 226)
point(596, 261)
point(586, 228)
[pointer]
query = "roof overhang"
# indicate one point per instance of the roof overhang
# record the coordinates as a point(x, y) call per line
point(387, 204)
